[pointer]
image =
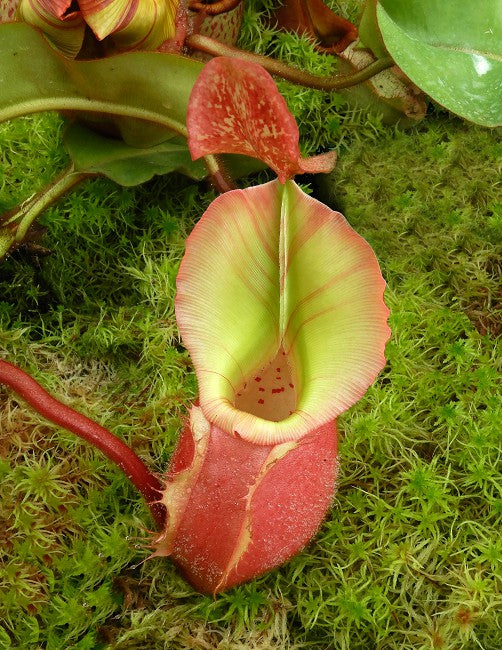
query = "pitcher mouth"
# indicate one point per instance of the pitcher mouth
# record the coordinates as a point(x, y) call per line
point(271, 392)
point(265, 409)
point(280, 304)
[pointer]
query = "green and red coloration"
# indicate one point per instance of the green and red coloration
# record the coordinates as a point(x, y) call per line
point(111, 446)
point(235, 107)
point(272, 278)
point(128, 24)
point(280, 304)
point(237, 509)
point(8, 10)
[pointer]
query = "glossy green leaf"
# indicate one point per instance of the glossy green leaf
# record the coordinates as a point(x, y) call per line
point(95, 153)
point(280, 304)
point(34, 78)
point(369, 33)
point(128, 165)
point(451, 49)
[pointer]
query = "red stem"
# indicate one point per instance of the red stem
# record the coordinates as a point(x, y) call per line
point(113, 448)
point(221, 181)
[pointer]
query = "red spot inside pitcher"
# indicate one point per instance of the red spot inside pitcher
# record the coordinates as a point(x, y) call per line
point(281, 396)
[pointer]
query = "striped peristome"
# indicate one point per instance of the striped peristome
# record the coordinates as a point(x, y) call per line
point(128, 24)
point(277, 291)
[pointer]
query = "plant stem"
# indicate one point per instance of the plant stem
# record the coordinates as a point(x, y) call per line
point(19, 221)
point(88, 105)
point(217, 174)
point(113, 448)
point(336, 82)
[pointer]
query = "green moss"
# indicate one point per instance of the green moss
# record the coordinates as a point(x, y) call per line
point(325, 120)
point(410, 554)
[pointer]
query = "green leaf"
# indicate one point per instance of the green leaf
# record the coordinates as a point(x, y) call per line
point(141, 97)
point(369, 32)
point(280, 304)
point(452, 50)
point(95, 153)
point(127, 165)
point(151, 87)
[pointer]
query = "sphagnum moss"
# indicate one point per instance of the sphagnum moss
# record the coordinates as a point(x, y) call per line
point(410, 555)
